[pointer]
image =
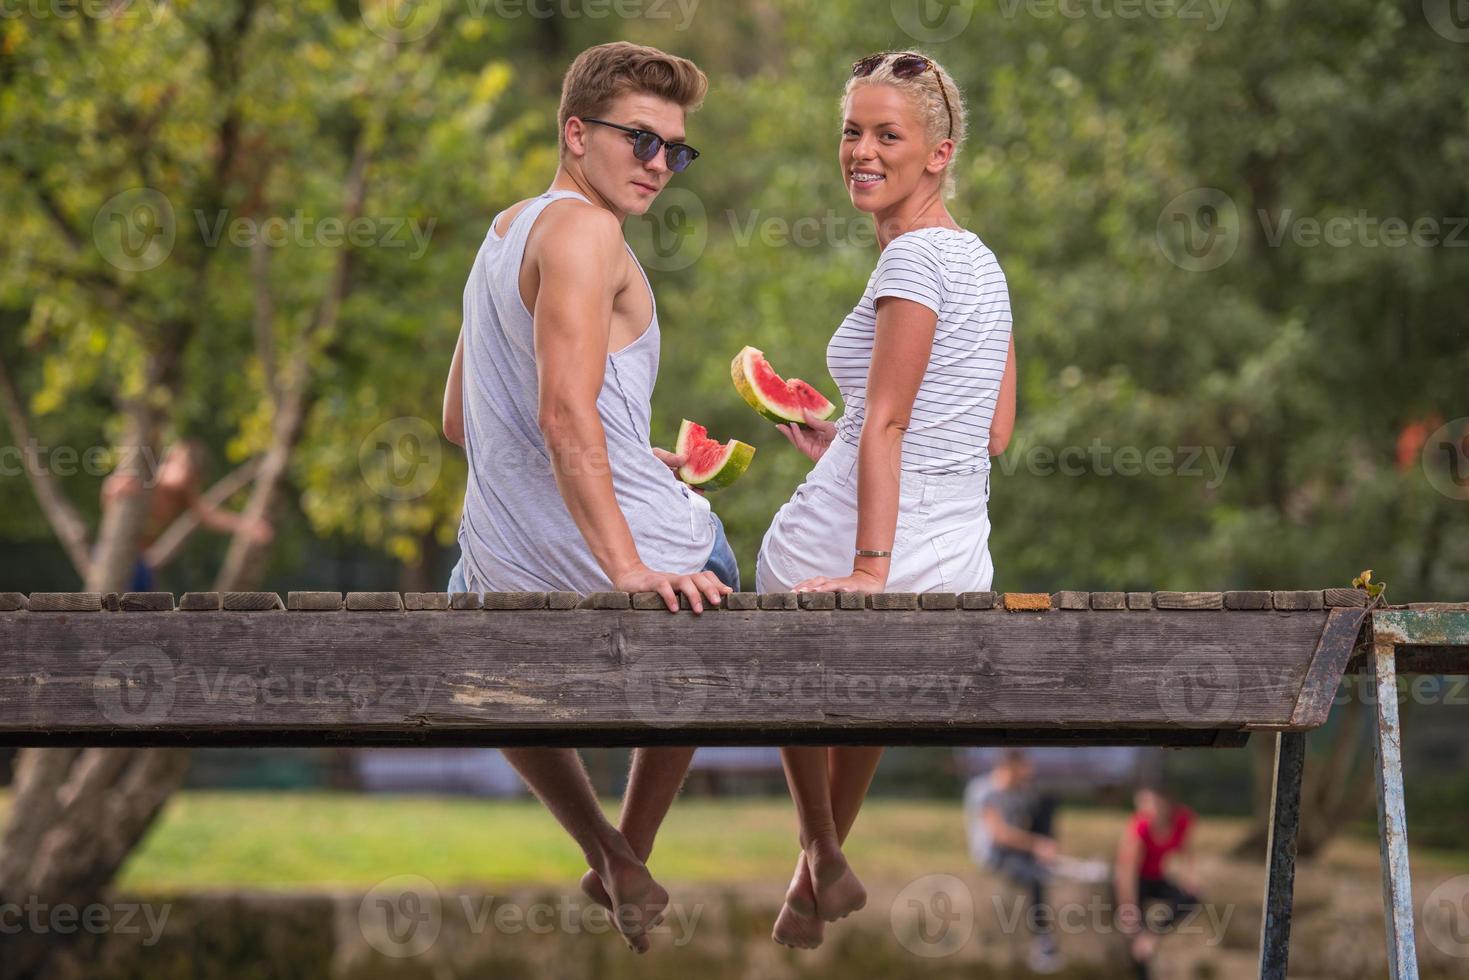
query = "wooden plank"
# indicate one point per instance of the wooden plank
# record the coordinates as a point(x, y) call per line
point(1027, 601)
point(516, 600)
point(781, 601)
point(892, 601)
point(112, 601)
point(1298, 600)
point(1069, 600)
point(199, 601)
point(425, 601)
point(374, 602)
point(1188, 600)
point(466, 601)
point(1328, 664)
point(900, 677)
point(819, 601)
point(1109, 600)
point(13, 601)
point(1139, 600)
point(66, 602)
point(648, 601)
point(563, 600)
point(313, 601)
point(977, 600)
point(147, 602)
point(851, 600)
point(938, 601)
point(251, 601)
point(607, 600)
point(1346, 597)
point(1247, 600)
point(742, 601)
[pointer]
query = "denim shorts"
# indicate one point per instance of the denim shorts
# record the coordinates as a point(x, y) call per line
point(721, 561)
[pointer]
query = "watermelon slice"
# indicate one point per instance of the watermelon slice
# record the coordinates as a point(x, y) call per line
point(776, 399)
point(710, 465)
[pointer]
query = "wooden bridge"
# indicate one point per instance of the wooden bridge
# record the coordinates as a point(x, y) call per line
point(1181, 669)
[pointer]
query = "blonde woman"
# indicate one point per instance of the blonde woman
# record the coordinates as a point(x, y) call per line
point(897, 500)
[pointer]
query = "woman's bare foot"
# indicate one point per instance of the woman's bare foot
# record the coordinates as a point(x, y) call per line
point(838, 892)
point(592, 887)
point(637, 902)
point(794, 927)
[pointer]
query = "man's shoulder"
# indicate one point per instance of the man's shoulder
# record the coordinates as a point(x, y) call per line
point(574, 227)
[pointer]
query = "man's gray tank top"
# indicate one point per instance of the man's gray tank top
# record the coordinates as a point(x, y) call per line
point(516, 533)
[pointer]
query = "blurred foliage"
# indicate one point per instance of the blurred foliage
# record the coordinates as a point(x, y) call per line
point(1302, 367)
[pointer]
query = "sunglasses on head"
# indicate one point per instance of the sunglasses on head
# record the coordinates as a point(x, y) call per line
point(905, 66)
point(645, 146)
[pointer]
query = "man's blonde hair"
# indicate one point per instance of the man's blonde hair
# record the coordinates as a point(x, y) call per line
point(601, 74)
point(923, 91)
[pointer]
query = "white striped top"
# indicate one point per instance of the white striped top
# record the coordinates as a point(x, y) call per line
point(956, 275)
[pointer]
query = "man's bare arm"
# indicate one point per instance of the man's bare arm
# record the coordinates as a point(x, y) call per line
point(580, 255)
point(454, 397)
point(1002, 425)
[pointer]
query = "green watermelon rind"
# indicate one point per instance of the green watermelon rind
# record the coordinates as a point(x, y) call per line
point(745, 385)
point(733, 467)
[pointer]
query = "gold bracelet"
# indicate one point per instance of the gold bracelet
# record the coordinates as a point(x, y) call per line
point(864, 553)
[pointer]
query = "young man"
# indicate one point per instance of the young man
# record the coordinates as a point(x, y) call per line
point(549, 393)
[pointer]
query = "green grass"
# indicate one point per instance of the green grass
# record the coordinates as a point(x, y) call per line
point(310, 841)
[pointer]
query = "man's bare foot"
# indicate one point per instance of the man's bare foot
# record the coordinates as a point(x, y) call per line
point(838, 892)
point(637, 902)
point(794, 927)
point(592, 887)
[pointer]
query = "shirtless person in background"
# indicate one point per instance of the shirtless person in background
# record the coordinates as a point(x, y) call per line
point(175, 493)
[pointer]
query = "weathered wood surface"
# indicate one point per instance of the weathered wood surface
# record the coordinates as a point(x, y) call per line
point(623, 676)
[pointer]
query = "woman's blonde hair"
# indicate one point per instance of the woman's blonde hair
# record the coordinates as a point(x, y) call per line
point(926, 90)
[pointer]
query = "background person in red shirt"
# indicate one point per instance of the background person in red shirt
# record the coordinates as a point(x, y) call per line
point(1148, 901)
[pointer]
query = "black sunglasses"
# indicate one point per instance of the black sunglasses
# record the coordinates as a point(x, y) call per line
point(906, 66)
point(645, 146)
